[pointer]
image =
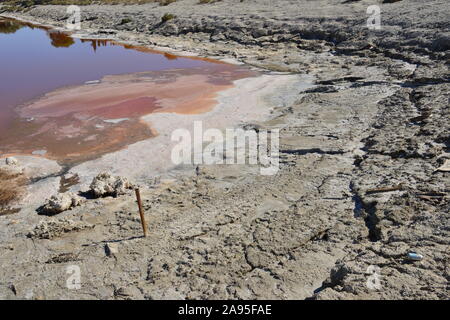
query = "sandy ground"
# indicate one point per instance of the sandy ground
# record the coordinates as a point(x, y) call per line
point(358, 186)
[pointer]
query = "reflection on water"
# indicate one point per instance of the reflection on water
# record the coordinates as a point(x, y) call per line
point(96, 43)
point(170, 56)
point(64, 40)
point(60, 39)
point(9, 26)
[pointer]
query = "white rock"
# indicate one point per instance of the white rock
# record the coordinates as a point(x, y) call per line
point(111, 249)
point(445, 167)
point(11, 161)
point(105, 185)
point(61, 202)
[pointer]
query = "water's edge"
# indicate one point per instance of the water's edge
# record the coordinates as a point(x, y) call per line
point(250, 100)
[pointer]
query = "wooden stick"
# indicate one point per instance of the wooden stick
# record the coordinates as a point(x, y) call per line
point(385, 189)
point(141, 211)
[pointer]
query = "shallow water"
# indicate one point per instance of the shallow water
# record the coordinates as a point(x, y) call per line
point(72, 100)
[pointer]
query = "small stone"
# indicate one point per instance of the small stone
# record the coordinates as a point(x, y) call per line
point(111, 249)
point(445, 167)
point(61, 202)
point(413, 256)
point(11, 161)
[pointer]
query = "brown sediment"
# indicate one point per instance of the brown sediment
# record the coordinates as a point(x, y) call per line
point(84, 142)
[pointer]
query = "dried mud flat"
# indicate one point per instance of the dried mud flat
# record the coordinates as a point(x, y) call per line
point(358, 183)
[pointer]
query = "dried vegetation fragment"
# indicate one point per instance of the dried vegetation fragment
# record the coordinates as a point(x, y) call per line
point(12, 187)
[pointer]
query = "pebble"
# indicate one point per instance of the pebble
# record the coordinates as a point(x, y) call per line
point(11, 161)
point(111, 249)
point(414, 256)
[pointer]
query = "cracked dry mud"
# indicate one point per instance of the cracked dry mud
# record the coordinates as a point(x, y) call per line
point(357, 184)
